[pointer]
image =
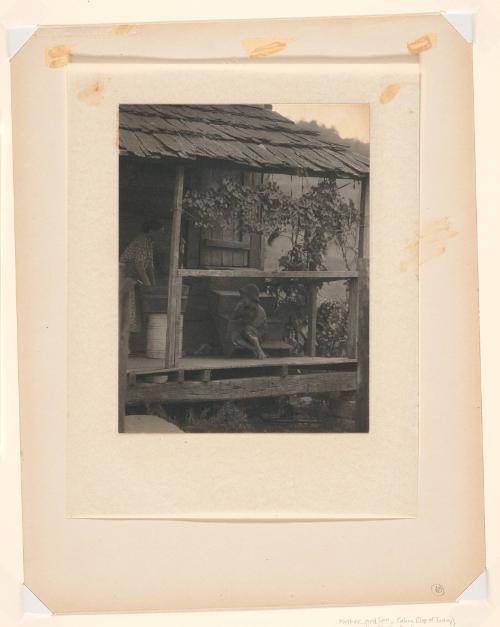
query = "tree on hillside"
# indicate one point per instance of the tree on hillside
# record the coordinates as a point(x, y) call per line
point(330, 133)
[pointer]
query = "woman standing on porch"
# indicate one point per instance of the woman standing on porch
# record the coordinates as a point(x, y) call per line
point(138, 264)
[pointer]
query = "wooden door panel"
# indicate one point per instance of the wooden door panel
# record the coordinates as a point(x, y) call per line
point(226, 247)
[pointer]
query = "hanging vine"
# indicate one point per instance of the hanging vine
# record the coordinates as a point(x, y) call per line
point(312, 221)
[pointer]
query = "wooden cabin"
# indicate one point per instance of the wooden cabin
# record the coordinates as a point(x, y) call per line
point(166, 150)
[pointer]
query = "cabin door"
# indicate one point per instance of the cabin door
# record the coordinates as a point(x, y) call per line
point(225, 248)
point(230, 248)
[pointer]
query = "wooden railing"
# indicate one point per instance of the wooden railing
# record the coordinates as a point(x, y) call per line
point(308, 275)
point(313, 277)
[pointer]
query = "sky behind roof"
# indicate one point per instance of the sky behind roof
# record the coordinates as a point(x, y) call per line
point(350, 120)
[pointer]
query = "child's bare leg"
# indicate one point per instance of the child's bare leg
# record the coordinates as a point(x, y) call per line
point(237, 339)
point(242, 343)
point(256, 347)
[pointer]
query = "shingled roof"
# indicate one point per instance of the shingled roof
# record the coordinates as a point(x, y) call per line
point(249, 136)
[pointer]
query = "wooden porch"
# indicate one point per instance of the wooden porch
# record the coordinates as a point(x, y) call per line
point(200, 379)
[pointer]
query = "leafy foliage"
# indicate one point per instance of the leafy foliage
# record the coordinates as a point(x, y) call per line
point(331, 333)
point(299, 413)
point(311, 221)
point(227, 417)
point(317, 218)
point(261, 209)
point(331, 322)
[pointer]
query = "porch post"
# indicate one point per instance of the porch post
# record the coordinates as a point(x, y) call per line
point(174, 281)
point(126, 286)
point(364, 238)
point(312, 319)
point(352, 319)
point(353, 288)
point(363, 307)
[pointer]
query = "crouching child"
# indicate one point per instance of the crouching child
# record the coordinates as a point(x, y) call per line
point(247, 323)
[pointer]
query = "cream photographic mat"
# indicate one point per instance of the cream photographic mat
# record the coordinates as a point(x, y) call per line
point(160, 564)
point(241, 476)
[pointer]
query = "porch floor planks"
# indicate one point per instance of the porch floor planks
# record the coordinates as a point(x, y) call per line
point(144, 365)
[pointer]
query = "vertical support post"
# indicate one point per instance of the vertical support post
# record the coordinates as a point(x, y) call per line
point(363, 251)
point(362, 393)
point(125, 288)
point(174, 281)
point(179, 329)
point(364, 224)
point(352, 319)
point(363, 331)
point(312, 319)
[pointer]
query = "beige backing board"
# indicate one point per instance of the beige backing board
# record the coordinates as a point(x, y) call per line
point(435, 536)
point(267, 476)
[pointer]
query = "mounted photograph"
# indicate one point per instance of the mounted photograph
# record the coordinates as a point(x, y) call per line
point(243, 268)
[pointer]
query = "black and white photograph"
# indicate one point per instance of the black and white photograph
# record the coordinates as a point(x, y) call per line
point(242, 273)
point(243, 268)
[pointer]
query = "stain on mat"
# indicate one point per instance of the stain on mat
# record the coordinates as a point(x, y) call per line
point(263, 47)
point(426, 42)
point(57, 56)
point(389, 93)
point(431, 243)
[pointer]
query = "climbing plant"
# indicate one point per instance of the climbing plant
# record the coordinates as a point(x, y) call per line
point(260, 209)
point(312, 220)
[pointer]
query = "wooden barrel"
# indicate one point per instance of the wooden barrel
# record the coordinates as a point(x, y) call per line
point(156, 342)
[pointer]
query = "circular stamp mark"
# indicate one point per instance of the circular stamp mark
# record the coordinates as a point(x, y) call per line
point(437, 589)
